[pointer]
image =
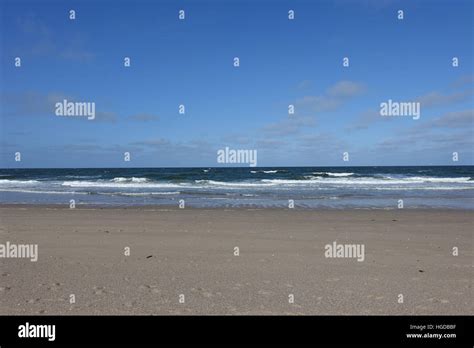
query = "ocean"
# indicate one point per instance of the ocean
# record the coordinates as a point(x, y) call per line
point(308, 187)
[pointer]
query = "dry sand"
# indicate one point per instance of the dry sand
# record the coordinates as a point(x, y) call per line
point(191, 252)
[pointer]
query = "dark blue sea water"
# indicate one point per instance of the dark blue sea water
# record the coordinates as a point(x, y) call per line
point(309, 187)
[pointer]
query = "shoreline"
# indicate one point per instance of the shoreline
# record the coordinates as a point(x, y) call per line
point(173, 207)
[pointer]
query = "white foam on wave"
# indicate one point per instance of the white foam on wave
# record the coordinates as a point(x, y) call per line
point(40, 191)
point(232, 184)
point(311, 181)
point(264, 171)
point(133, 179)
point(333, 174)
point(6, 182)
point(82, 176)
point(434, 179)
point(122, 184)
point(428, 188)
point(369, 181)
point(140, 193)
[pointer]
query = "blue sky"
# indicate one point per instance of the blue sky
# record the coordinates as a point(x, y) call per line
point(190, 62)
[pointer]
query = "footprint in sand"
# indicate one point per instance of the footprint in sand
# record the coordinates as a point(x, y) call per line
point(5, 288)
point(152, 288)
point(207, 294)
point(99, 290)
point(203, 292)
point(237, 287)
point(130, 304)
point(55, 286)
point(421, 308)
point(33, 300)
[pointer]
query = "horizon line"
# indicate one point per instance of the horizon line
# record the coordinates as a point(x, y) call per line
point(247, 167)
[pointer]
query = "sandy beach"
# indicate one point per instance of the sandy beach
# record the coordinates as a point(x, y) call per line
point(191, 252)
